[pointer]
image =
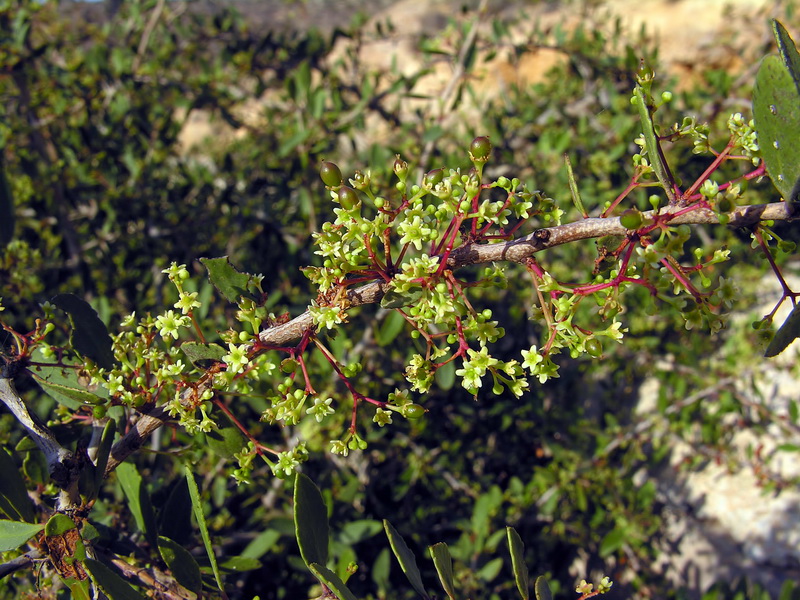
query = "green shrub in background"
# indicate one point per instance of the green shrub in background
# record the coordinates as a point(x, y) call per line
point(107, 209)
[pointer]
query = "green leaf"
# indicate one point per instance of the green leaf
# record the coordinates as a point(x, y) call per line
point(395, 299)
point(197, 509)
point(573, 188)
point(89, 335)
point(54, 380)
point(357, 531)
point(406, 559)
point(517, 550)
point(490, 570)
point(788, 50)
point(225, 441)
point(14, 533)
point(542, 590)
point(612, 541)
point(390, 328)
point(175, 517)
point(202, 354)
point(183, 566)
point(79, 589)
point(776, 108)
point(103, 452)
point(444, 567)
point(114, 586)
point(231, 283)
point(239, 564)
point(6, 207)
point(58, 391)
point(15, 501)
point(262, 544)
point(654, 154)
point(310, 521)
point(58, 524)
point(788, 332)
point(138, 501)
point(332, 581)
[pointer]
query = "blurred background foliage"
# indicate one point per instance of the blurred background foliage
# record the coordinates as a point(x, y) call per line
point(106, 195)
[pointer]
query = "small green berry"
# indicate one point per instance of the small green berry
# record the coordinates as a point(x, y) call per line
point(330, 174)
point(413, 411)
point(480, 149)
point(432, 178)
point(631, 219)
point(594, 347)
point(348, 199)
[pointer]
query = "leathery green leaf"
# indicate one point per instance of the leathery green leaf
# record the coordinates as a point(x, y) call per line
point(443, 563)
point(517, 550)
point(406, 558)
point(310, 521)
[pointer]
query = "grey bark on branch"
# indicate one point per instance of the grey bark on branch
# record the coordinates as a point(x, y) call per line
point(61, 463)
point(512, 251)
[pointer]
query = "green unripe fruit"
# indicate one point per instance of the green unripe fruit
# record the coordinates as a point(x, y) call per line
point(348, 198)
point(724, 205)
point(480, 149)
point(433, 178)
point(330, 174)
point(631, 219)
point(98, 412)
point(289, 365)
point(594, 347)
point(413, 411)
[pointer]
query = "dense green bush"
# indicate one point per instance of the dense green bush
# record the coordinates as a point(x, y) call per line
point(101, 207)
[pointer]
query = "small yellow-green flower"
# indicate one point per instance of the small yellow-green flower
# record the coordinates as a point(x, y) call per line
point(236, 359)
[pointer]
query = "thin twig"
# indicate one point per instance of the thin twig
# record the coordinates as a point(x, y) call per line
point(148, 31)
point(512, 251)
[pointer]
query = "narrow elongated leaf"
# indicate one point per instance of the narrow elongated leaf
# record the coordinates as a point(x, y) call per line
point(776, 108)
point(406, 559)
point(197, 509)
point(175, 518)
point(788, 50)
point(12, 490)
point(262, 544)
point(310, 521)
point(517, 550)
point(15, 533)
point(231, 283)
point(443, 563)
point(573, 188)
point(183, 566)
point(103, 452)
point(332, 581)
point(542, 589)
point(239, 564)
point(114, 586)
point(138, 501)
point(651, 144)
point(788, 332)
point(89, 334)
